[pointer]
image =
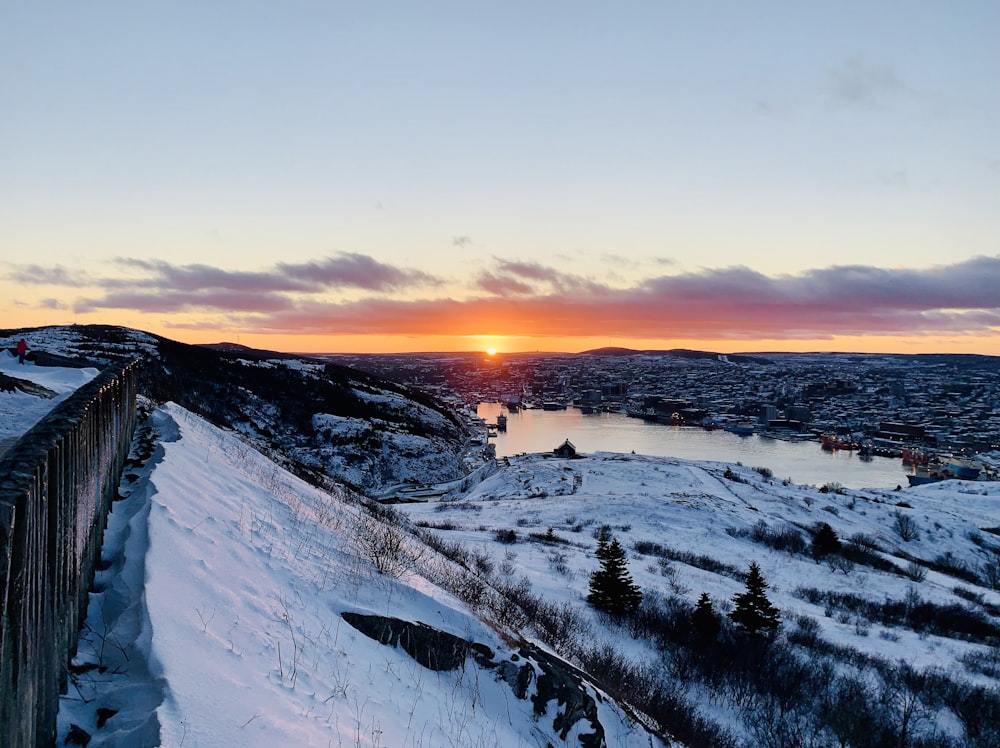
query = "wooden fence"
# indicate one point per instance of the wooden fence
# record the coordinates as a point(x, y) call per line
point(56, 487)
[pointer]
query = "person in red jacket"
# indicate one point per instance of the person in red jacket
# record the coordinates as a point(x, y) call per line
point(22, 349)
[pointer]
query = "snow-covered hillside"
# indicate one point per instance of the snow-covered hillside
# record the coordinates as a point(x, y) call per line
point(259, 590)
point(916, 582)
point(240, 634)
point(317, 417)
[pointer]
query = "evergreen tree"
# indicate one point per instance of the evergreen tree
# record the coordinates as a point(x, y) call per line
point(603, 541)
point(753, 612)
point(704, 619)
point(611, 587)
point(825, 541)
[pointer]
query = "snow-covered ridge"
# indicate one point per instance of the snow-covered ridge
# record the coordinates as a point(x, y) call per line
point(273, 399)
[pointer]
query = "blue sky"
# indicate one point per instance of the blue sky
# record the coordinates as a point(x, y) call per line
point(490, 156)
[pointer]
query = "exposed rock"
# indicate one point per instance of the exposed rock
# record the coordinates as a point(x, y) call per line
point(431, 647)
point(77, 736)
point(554, 678)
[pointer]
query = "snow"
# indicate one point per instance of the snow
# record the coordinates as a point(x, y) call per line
point(395, 403)
point(400, 458)
point(81, 341)
point(218, 620)
point(691, 506)
point(246, 571)
point(19, 410)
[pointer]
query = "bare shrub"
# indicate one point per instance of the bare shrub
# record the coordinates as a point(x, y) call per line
point(786, 538)
point(991, 574)
point(482, 563)
point(866, 542)
point(916, 572)
point(905, 526)
point(549, 537)
point(840, 563)
point(507, 537)
point(385, 545)
point(558, 562)
point(649, 548)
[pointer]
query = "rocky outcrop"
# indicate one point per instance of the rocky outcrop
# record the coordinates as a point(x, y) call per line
point(531, 673)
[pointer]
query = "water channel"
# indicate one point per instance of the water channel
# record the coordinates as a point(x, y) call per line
point(803, 462)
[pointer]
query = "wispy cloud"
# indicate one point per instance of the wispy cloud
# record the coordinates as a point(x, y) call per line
point(525, 298)
point(731, 303)
point(351, 270)
point(517, 278)
point(859, 83)
point(56, 275)
point(158, 286)
point(225, 300)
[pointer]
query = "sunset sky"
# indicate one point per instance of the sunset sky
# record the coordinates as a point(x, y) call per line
point(337, 176)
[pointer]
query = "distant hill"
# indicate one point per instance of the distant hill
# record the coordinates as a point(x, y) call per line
point(675, 353)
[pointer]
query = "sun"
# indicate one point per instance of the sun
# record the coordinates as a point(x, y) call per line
point(491, 351)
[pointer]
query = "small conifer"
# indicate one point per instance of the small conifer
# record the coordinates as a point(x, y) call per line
point(611, 587)
point(704, 619)
point(753, 612)
point(825, 541)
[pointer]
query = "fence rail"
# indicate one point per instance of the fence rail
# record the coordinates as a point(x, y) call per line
point(56, 487)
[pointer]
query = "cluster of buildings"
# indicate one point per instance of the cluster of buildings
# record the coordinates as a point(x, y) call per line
point(949, 402)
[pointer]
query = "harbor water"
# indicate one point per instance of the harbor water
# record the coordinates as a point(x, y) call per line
point(804, 462)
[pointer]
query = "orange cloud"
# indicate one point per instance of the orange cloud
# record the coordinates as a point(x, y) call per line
point(528, 300)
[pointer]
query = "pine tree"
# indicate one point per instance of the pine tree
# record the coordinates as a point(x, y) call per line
point(611, 587)
point(825, 541)
point(603, 541)
point(704, 619)
point(753, 612)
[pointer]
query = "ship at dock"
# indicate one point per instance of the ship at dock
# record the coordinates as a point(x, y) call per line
point(939, 469)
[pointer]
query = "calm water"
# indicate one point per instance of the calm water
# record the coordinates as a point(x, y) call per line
point(803, 462)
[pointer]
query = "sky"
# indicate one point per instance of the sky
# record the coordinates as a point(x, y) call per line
point(390, 176)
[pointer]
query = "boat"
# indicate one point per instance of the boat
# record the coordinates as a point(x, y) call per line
point(830, 442)
point(931, 472)
point(740, 429)
point(501, 422)
point(914, 456)
point(963, 468)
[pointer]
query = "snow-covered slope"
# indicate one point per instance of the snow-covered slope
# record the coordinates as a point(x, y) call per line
point(919, 585)
point(250, 577)
point(262, 612)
